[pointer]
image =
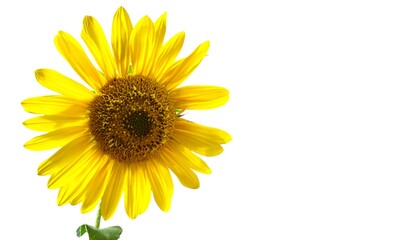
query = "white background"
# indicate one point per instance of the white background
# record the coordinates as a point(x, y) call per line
point(312, 115)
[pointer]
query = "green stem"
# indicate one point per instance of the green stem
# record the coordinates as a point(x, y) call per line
point(98, 217)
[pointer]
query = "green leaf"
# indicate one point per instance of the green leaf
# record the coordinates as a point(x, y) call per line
point(110, 233)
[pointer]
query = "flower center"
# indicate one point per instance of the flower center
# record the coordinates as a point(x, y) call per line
point(138, 123)
point(131, 118)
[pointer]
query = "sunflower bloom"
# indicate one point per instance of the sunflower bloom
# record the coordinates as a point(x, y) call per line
point(125, 133)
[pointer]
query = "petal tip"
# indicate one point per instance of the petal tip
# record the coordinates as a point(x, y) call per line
point(164, 16)
point(121, 8)
point(206, 44)
point(227, 137)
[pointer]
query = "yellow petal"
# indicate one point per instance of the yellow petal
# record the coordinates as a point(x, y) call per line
point(62, 194)
point(79, 194)
point(161, 184)
point(72, 51)
point(180, 168)
point(199, 97)
point(142, 45)
point(185, 155)
point(121, 30)
point(73, 150)
point(184, 67)
point(160, 30)
point(209, 133)
point(54, 104)
point(96, 41)
point(167, 54)
point(52, 122)
point(200, 139)
point(159, 35)
point(72, 170)
point(74, 190)
point(197, 145)
point(137, 191)
point(97, 185)
point(114, 190)
point(56, 138)
point(59, 83)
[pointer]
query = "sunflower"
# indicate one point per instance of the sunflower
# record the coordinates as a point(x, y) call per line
point(124, 134)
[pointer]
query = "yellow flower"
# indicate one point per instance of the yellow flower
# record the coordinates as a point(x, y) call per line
point(126, 133)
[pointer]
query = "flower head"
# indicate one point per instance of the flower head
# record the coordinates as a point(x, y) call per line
point(124, 134)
